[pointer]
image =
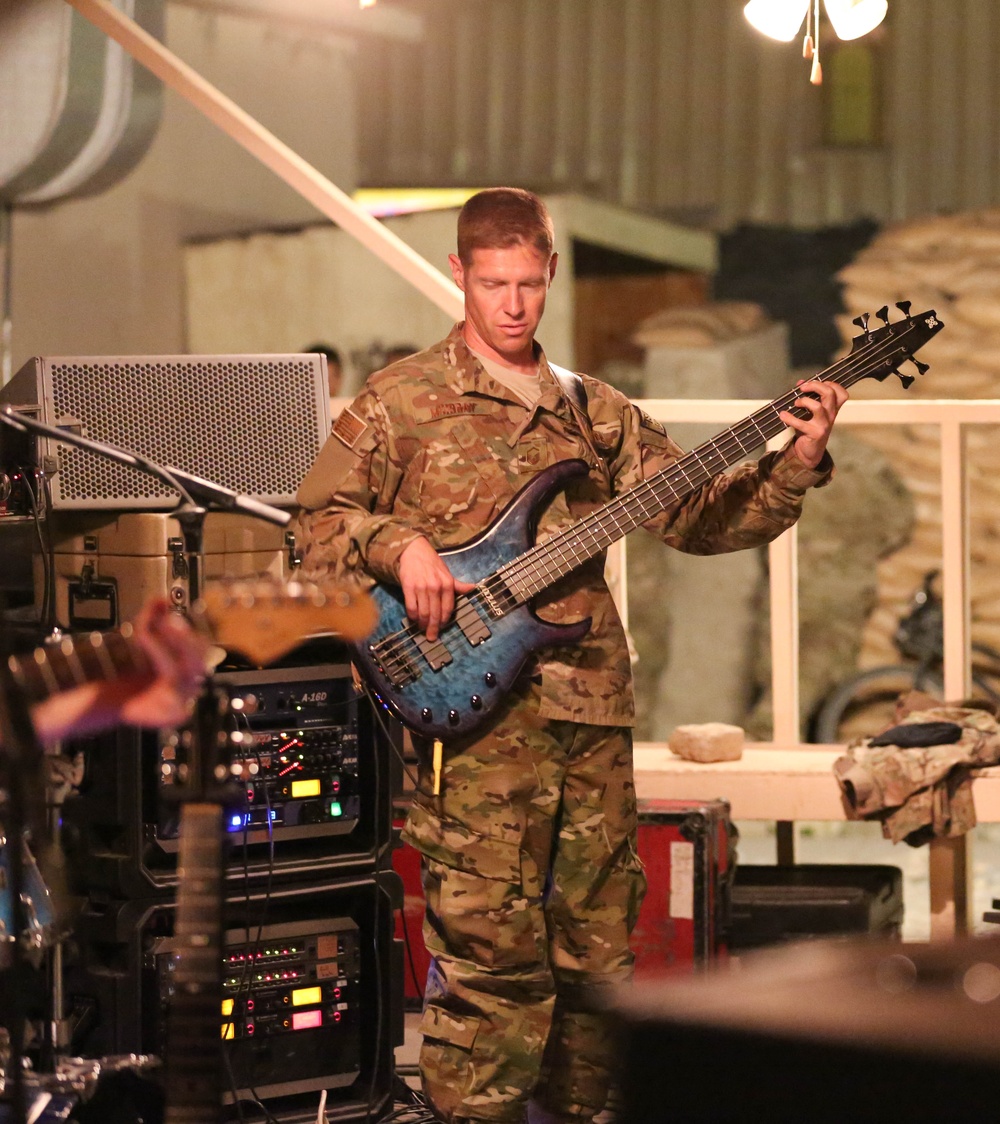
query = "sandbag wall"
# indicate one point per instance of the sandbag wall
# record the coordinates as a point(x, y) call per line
point(951, 264)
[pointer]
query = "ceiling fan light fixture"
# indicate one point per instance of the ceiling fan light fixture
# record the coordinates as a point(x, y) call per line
point(777, 19)
point(853, 18)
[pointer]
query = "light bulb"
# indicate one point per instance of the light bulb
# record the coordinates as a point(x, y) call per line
point(778, 19)
point(853, 18)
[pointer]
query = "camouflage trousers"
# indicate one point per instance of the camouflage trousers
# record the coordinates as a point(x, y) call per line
point(533, 886)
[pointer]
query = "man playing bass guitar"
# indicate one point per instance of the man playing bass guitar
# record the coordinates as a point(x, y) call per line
point(527, 826)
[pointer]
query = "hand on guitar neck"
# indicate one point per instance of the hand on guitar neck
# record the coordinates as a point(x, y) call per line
point(159, 690)
point(822, 401)
point(429, 588)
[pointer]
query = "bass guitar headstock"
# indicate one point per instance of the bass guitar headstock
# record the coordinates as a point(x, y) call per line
point(884, 350)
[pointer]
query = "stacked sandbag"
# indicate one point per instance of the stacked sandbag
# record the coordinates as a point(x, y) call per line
point(949, 263)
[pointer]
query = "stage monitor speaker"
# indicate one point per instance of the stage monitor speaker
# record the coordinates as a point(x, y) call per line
point(253, 423)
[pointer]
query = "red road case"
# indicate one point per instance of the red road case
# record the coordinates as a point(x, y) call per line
point(689, 851)
point(410, 921)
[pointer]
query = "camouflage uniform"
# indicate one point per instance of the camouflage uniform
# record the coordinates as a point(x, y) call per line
point(531, 876)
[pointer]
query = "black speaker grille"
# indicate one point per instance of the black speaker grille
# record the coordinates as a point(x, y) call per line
point(251, 423)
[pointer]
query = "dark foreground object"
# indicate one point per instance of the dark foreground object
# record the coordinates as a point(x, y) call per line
point(819, 1032)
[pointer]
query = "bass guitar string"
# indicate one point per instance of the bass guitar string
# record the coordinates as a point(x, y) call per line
point(661, 488)
point(650, 497)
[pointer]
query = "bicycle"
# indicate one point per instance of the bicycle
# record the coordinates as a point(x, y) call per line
point(865, 703)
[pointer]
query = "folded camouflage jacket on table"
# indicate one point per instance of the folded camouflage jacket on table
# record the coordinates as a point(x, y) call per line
point(916, 776)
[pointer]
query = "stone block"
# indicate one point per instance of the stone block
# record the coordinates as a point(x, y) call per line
point(707, 741)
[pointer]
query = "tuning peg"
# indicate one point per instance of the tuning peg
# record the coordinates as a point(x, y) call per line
point(906, 380)
point(904, 308)
point(922, 368)
point(862, 321)
point(883, 314)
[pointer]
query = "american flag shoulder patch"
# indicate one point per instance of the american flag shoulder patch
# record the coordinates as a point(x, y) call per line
point(349, 428)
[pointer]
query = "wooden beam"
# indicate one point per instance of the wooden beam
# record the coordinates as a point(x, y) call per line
point(955, 563)
point(783, 572)
point(951, 891)
point(275, 154)
point(950, 887)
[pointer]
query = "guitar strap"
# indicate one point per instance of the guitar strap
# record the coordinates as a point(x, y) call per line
point(572, 386)
point(576, 394)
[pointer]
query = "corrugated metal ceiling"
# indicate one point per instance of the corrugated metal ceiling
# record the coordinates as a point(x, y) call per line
point(678, 107)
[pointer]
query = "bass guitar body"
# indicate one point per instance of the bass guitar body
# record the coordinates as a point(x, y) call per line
point(449, 688)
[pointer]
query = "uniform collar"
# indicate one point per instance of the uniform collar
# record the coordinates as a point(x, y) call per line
point(466, 375)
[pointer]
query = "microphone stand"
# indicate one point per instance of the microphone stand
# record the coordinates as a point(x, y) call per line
point(202, 807)
point(198, 496)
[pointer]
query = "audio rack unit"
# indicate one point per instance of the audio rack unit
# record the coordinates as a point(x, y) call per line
point(291, 1005)
point(311, 999)
point(21, 487)
point(313, 777)
point(293, 752)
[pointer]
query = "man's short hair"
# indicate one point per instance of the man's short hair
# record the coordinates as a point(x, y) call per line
point(504, 216)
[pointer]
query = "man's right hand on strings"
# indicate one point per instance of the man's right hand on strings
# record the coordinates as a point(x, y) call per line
point(429, 587)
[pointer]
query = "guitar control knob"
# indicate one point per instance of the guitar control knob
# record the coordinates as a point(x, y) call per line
point(476, 702)
point(453, 717)
point(490, 678)
point(427, 714)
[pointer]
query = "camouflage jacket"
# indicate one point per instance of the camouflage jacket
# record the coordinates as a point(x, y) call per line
point(920, 791)
point(434, 446)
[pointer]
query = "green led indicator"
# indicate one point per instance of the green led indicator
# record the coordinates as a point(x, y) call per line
point(335, 808)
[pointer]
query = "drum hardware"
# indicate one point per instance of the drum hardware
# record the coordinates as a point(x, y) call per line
point(76, 1081)
point(39, 927)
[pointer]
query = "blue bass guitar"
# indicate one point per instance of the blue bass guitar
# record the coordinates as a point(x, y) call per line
point(451, 686)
